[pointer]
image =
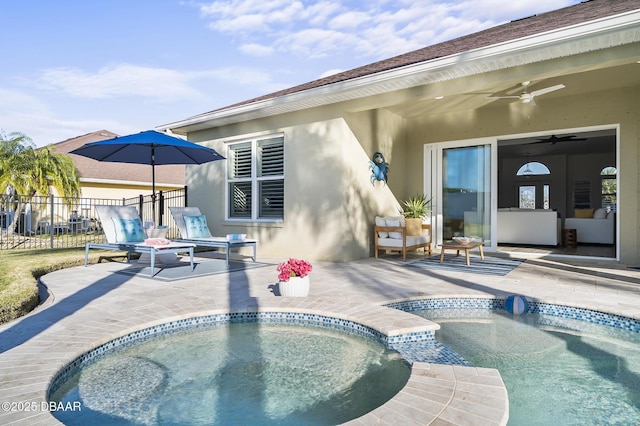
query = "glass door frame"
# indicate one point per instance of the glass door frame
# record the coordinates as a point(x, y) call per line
point(433, 184)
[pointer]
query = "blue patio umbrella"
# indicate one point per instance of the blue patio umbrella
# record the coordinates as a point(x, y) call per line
point(149, 147)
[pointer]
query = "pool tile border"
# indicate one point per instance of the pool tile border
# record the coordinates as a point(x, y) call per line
point(213, 320)
point(563, 311)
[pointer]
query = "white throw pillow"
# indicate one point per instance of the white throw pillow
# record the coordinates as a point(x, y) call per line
point(600, 214)
point(395, 221)
point(381, 222)
point(611, 215)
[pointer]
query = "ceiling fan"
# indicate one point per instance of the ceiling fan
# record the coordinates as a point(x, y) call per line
point(553, 139)
point(527, 97)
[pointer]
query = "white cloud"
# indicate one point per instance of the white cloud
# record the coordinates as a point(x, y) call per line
point(321, 12)
point(120, 80)
point(350, 20)
point(501, 11)
point(238, 76)
point(241, 23)
point(373, 30)
point(239, 16)
point(315, 43)
point(327, 73)
point(256, 49)
point(29, 115)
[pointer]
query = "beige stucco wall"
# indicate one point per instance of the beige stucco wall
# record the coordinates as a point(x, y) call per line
point(612, 107)
point(330, 203)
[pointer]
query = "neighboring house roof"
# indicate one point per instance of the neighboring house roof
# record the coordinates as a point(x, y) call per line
point(123, 173)
point(326, 90)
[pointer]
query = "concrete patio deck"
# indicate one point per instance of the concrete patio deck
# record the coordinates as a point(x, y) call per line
point(92, 305)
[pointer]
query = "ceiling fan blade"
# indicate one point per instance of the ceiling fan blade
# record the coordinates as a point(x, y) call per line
point(547, 90)
point(503, 97)
point(553, 139)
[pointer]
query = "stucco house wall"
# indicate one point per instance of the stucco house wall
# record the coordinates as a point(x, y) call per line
point(330, 203)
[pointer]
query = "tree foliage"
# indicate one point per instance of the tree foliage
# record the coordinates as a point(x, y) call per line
point(30, 171)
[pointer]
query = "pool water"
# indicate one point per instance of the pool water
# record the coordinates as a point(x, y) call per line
point(243, 373)
point(557, 371)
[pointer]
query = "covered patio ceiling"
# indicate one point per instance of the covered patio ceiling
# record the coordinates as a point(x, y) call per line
point(477, 91)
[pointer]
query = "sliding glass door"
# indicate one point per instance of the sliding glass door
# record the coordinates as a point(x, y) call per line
point(465, 192)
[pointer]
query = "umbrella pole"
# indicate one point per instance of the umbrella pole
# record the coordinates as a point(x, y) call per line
point(153, 186)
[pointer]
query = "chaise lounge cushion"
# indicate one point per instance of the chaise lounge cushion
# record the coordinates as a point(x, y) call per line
point(128, 230)
point(196, 226)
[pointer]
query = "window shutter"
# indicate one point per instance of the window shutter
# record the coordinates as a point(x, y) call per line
point(271, 157)
point(272, 198)
point(240, 161)
point(240, 205)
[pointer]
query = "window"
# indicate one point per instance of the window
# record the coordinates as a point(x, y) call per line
point(545, 196)
point(533, 168)
point(255, 179)
point(609, 188)
point(527, 197)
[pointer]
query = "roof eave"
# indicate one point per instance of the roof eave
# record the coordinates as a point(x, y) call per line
point(586, 37)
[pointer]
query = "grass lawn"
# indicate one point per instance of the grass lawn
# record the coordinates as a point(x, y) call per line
point(19, 273)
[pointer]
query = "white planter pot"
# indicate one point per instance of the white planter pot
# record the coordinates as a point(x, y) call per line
point(295, 287)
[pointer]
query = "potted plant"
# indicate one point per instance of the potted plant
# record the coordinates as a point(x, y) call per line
point(294, 277)
point(415, 209)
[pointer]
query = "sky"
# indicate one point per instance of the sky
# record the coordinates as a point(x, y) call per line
point(72, 67)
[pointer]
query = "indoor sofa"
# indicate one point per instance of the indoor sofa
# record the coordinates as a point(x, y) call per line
point(599, 228)
point(529, 226)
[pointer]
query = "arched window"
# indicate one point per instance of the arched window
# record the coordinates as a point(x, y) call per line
point(609, 188)
point(527, 193)
point(533, 168)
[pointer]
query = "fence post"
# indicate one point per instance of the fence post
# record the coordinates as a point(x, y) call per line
point(185, 197)
point(140, 206)
point(161, 208)
point(51, 223)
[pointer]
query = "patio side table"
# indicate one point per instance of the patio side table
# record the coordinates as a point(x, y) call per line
point(453, 245)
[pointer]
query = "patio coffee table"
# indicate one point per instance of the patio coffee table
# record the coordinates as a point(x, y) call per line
point(453, 245)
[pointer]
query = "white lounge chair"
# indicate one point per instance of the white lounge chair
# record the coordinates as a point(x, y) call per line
point(123, 229)
point(202, 236)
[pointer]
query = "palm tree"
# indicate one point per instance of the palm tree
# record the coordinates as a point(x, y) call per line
point(25, 170)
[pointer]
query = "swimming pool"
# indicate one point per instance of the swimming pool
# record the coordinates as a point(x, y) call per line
point(561, 365)
point(221, 372)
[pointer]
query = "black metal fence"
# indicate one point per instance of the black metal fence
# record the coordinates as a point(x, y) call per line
point(58, 222)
